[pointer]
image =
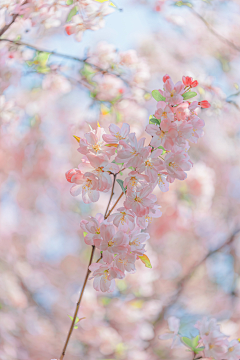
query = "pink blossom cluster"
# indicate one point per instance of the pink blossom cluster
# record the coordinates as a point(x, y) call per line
point(119, 235)
point(77, 15)
point(210, 343)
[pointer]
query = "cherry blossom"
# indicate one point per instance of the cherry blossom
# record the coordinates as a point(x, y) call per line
point(173, 324)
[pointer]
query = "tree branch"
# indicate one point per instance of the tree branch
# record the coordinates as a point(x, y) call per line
point(181, 283)
point(215, 33)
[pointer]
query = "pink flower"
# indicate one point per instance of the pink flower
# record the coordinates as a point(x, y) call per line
point(125, 262)
point(185, 130)
point(177, 164)
point(112, 243)
point(135, 181)
point(164, 136)
point(136, 243)
point(151, 165)
point(197, 130)
point(207, 326)
point(173, 93)
point(100, 164)
point(133, 152)
point(215, 346)
point(182, 111)
point(94, 144)
point(87, 184)
point(164, 111)
point(109, 87)
point(143, 221)
point(163, 184)
point(91, 225)
point(140, 202)
point(117, 134)
point(173, 324)
point(233, 352)
point(104, 276)
point(124, 220)
point(188, 81)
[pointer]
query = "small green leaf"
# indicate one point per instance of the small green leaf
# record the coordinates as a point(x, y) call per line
point(157, 96)
point(72, 12)
point(195, 341)
point(69, 2)
point(146, 261)
point(75, 327)
point(153, 120)
point(71, 317)
point(187, 342)
point(189, 95)
point(121, 185)
point(84, 233)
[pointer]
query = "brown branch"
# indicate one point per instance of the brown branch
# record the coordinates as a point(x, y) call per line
point(215, 33)
point(114, 205)
point(87, 274)
point(181, 283)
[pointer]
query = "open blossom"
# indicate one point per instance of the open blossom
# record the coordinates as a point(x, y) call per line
point(136, 242)
point(233, 351)
point(109, 87)
point(133, 153)
point(94, 144)
point(151, 165)
point(177, 164)
point(215, 346)
point(140, 202)
point(163, 136)
point(112, 242)
point(125, 263)
point(91, 226)
point(124, 220)
point(173, 324)
point(104, 276)
point(144, 221)
point(87, 184)
point(135, 181)
point(101, 170)
point(117, 134)
point(164, 111)
point(173, 93)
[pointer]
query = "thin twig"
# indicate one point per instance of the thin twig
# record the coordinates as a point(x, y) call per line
point(78, 305)
point(181, 283)
point(215, 33)
point(88, 272)
point(114, 205)
point(6, 27)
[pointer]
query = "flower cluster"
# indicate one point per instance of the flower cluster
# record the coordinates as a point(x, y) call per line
point(119, 236)
point(78, 15)
point(210, 342)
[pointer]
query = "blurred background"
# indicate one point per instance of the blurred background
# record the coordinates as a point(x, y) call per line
point(43, 103)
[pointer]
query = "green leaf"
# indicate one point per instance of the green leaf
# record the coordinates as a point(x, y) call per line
point(69, 2)
point(157, 96)
point(153, 120)
point(72, 12)
point(121, 185)
point(75, 327)
point(195, 341)
point(84, 233)
point(146, 261)
point(187, 342)
point(189, 95)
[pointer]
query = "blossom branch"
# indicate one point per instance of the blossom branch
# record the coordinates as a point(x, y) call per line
point(88, 273)
point(7, 26)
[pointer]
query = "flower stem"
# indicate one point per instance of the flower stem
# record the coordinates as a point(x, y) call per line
point(88, 271)
point(78, 305)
